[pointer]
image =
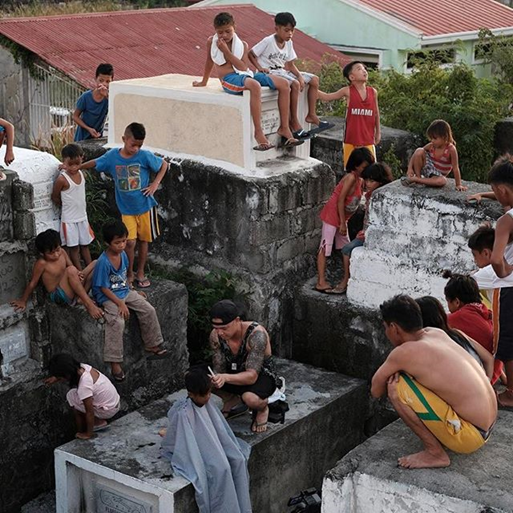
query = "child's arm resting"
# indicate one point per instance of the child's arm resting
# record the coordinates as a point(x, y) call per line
point(90, 164)
point(503, 231)
point(480, 195)
point(290, 66)
point(349, 181)
point(9, 133)
point(37, 272)
point(209, 64)
point(123, 309)
point(385, 373)
point(253, 59)
point(57, 188)
point(456, 169)
point(89, 415)
point(337, 95)
point(78, 120)
point(151, 189)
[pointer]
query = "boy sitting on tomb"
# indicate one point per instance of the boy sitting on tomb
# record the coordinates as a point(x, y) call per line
point(130, 167)
point(201, 447)
point(62, 280)
point(229, 54)
point(111, 290)
point(362, 115)
point(69, 193)
point(275, 55)
point(7, 135)
point(92, 106)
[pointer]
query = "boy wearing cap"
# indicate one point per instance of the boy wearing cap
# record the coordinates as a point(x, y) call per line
point(244, 371)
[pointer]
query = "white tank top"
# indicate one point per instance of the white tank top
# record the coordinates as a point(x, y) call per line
point(74, 201)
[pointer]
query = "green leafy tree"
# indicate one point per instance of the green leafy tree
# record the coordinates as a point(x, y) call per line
point(497, 51)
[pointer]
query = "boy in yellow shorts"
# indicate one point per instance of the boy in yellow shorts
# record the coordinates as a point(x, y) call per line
point(131, 168)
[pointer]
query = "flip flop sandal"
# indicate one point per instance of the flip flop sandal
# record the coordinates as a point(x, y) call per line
point(263, 147)
point(302, 134)
point(142, 284)
point(290, 143)
point(322, 291)
point(255, 425)
point(323, 125)
point(162, 354)
point(101, 427)
point(119, 376)
point(236, 411)
point(337, 292)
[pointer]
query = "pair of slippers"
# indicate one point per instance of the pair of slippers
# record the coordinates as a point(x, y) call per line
point(285, 143)
point(161, 354)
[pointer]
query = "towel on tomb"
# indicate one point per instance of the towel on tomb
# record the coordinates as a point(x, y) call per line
point(203, 449)
point(237, 49)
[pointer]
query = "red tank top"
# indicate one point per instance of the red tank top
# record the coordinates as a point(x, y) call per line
point(360, 118)
point(329, 214)
point(442, 163)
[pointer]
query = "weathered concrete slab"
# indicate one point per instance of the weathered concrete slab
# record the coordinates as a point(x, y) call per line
point(45, 503)
point(367, 479)
point(327, 147)
point(331, 332)
point(325, 420)
point(414, 234)
point(72, 330)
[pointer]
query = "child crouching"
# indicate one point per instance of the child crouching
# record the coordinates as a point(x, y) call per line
point(93, 397)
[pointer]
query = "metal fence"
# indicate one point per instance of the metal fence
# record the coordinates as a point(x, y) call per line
point(52, 100)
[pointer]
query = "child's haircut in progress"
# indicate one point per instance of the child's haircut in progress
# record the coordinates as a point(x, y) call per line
point(72, 151)
point(136, 130)
point(104, 69)
point(483, 238)
point(114, 229)
point(462, 287)
point(282, 19)
point(222, 19)
point(349, 67)
point(48, 241)
point(440, 128)
point(197, 380)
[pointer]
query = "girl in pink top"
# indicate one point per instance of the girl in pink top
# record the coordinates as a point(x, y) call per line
point(343, 203)
point(431, 164)
point(92, 396)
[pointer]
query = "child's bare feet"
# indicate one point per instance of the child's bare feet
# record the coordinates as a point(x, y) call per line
point(83, 436)
point(425, 459)
point(162, 432)
point(505, 399)
point(261, 139)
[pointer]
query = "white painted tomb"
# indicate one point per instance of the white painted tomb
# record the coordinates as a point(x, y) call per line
point(194, 122)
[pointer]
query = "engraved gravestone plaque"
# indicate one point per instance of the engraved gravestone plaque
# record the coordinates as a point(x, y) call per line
point(12, 276)
point(13, 343)
point(113, 501)
point(270, 121)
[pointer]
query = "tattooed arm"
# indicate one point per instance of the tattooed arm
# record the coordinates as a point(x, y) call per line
point(218, 360)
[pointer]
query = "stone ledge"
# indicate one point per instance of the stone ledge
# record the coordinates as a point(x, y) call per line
point(292, 456)
point(368, 479)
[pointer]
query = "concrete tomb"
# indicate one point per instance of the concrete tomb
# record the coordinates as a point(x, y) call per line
point(203, 122)
point(121, 469)
point(368, 480)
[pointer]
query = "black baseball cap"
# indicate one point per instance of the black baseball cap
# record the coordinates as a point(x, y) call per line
point(226, 310)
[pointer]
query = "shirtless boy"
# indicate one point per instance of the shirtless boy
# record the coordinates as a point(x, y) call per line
point(439, 391)
point(230, 56)
point(62, 280)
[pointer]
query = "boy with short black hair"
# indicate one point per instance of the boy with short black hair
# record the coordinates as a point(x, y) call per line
point(61, 279)
point(69, 193)
point(130, 167)
point(111, 290)
point(229, 54)
point(93, 105)
point(275, 55)
point(362, 115)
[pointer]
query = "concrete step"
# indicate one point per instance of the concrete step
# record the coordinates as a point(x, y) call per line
point(331, 332)
point(368, 480)
point(326, 419)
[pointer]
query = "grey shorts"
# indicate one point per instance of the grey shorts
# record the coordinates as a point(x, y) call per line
point(288, 75)
point(429, 168)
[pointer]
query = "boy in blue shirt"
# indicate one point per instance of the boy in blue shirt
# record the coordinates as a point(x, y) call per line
point(93, 105)
point(130, 167)
point(112, 291)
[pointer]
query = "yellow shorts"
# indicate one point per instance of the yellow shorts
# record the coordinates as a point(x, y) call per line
point(348, 149)
point(450, 430)
point(144, 227)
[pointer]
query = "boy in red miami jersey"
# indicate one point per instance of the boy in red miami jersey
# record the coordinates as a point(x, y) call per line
point(362, 117)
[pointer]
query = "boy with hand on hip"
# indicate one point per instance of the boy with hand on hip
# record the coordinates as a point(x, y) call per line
point(61, 279)
point(93, 105)
point(7, 135)
point(130, 168)
point(362, 115)
point(69, 193)
point(275, 55)
point(111, 290)
point(229, 54)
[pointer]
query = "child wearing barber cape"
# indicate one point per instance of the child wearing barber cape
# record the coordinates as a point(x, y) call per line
point(229, 54)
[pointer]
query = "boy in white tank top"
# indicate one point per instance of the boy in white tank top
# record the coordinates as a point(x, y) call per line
point(69, 193)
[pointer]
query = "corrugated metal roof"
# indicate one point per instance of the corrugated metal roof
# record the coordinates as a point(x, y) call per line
point(436, 17)
point(141, 43)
